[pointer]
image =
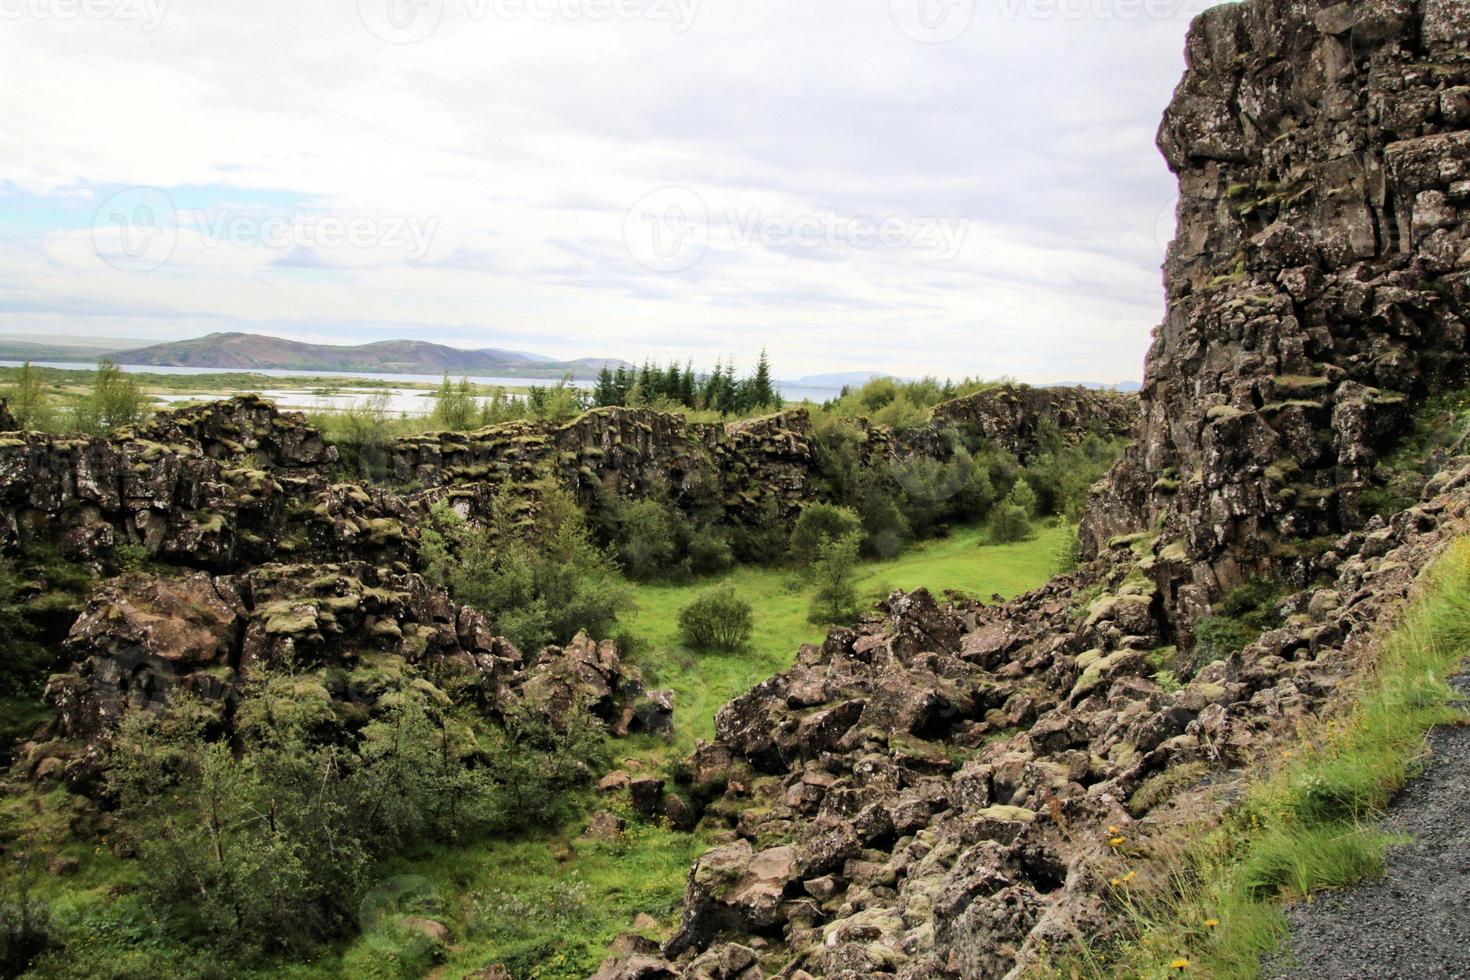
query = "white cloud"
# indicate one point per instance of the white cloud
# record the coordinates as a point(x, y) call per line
point(522, 141)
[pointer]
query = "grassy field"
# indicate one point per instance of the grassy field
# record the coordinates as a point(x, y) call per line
point(702, 682)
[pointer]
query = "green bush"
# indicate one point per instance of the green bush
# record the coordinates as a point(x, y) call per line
point(762, 539)
point(717, 620)
point(27, 400)
point(647, 537)
point(709, 551)
point(818, 524)
point(268, 845)
point(539, 584)
point(25, 920)
point(1010, 520)
point(1236, 620)
point(455, 408)
point(114, 402)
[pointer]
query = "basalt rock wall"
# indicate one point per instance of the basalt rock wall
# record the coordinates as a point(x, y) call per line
point(1317, 286)
point(221, 486)
point(750, 466)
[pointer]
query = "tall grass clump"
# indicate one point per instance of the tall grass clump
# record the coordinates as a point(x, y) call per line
point(1307, 823)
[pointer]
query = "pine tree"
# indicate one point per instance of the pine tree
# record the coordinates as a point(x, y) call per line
point(605, 393)
point(686, 388)
point(762, 392)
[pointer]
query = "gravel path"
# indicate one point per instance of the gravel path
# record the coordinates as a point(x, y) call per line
point(1414, 923)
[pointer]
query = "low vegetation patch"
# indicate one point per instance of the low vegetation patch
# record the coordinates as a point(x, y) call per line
point(1306, 824)
point(717, 620)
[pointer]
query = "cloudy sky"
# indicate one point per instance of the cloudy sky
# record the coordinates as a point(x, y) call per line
point(917, 186)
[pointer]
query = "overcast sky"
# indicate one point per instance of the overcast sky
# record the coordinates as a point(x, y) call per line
point(916, 186)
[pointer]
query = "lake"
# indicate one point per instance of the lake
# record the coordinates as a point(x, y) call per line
point(410, 400)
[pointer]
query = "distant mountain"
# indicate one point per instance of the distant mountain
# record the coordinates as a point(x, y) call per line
point(26, 350)
point(837, 379)
point(253, 352)
point(1124, 386)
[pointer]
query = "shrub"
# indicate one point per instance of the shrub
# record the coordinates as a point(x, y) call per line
point(709, 551)
point(1010, 520)
point(818, 524)
point(646, 536)
point(763, 538)
point(717, 620)
point(115, 401)
point(268, 845)
point(835, 599)
point(1237, 619)
point(27, 399)
point(539, 584)
point(885, 529)
point(455, 407)
point(1067, 551)
point(25, 921)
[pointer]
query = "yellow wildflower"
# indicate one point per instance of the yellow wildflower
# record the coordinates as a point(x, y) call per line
point(1180, 964)
point(1211, 923)
point(1116, 841)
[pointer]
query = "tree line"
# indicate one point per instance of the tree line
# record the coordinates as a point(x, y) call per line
point(717, 390)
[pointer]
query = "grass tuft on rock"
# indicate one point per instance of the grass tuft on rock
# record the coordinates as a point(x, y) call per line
point(1307, 822)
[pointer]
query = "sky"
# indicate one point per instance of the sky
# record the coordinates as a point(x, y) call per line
point(946, 187)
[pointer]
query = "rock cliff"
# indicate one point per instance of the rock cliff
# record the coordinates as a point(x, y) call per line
point(1317, 285)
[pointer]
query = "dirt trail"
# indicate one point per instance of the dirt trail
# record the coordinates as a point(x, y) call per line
point(1415, 922)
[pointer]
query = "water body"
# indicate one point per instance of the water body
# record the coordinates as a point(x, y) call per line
point(400, 400)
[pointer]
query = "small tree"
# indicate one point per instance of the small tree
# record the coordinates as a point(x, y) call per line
point(1023, 496)
point(27, 397)
point(835, 599)
point(1010, 521)
point(818, 524)
point(115, 401)
point(717, 620)
point(454, 405)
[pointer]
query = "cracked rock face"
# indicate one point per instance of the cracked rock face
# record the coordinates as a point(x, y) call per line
point(1317, 286)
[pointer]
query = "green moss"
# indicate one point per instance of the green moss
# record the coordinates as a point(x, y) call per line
point(1163, 787)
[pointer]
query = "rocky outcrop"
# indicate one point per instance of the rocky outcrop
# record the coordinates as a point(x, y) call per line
point(206, 487)
point(1023, 420)
point(1317, 285)
point(947, 791)
point(354, 631)
point(628, 452)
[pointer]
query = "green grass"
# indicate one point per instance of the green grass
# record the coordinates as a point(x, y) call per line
point(545, 907)
point(1307, 822)
point(702, 682)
